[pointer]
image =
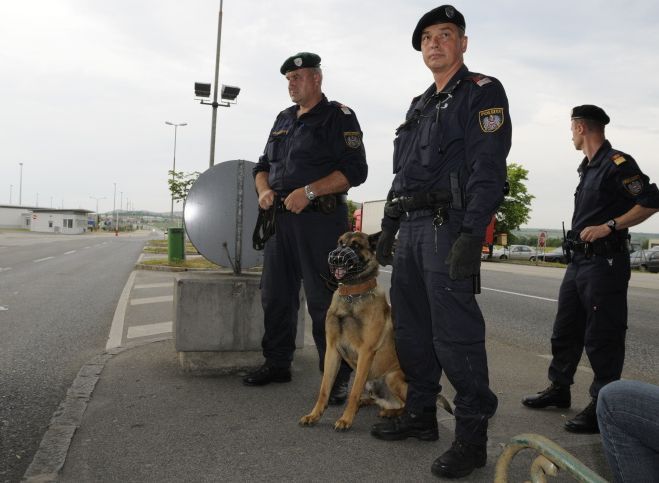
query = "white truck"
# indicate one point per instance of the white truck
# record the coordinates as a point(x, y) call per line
point(369, 217)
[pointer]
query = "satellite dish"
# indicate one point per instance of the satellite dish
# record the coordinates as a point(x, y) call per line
point(220, 213)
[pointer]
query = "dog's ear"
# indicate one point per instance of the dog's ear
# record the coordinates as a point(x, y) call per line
point(373, 240)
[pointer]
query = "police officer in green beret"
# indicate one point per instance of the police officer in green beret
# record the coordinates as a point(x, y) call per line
point(613, 195)
point(313, 155)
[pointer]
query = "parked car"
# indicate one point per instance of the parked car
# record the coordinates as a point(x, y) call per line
point(555, 255)
point(515, 252)
point(645, 260)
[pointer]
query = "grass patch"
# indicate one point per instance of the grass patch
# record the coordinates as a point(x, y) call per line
point(161, 246)
point(197, 262)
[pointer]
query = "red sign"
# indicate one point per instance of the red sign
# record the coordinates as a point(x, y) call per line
point(542, 238)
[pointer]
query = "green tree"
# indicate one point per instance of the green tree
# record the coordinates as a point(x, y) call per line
point(180, 183)
point(515, 209)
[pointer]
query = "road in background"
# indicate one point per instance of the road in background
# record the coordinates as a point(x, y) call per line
point(58, 295)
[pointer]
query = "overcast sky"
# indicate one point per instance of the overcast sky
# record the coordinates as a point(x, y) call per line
point(87, 85)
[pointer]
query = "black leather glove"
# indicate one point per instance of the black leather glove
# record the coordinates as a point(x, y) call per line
point(383, 250)
point(464, 257)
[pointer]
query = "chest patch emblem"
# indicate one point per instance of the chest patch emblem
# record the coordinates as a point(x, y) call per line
point(491, 119)
point(633, 185)
point(353, 139)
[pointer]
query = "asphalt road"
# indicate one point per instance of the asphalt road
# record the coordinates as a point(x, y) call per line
point(519, 304)
point(58, 295)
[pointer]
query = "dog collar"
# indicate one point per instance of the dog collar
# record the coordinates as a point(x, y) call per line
point(351, 290)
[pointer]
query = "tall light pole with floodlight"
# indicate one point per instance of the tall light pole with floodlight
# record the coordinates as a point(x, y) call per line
point(98, 219)
point(227, 93)
point(176, 126)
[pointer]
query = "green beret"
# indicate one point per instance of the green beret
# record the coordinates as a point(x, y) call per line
point(443, 14)
point(594, 113)
point(300, 60)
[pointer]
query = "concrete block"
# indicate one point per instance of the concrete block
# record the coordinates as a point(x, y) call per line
point(221, 313)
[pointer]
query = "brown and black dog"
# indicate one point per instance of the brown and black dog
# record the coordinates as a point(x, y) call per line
point(359, 328)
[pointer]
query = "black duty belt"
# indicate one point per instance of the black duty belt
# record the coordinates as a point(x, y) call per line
point(431, 200)
point(323, 204)
point(604, 247)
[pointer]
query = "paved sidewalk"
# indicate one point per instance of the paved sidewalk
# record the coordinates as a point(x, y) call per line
point(147, 421)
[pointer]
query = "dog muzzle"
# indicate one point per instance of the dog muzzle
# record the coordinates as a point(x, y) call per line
point(344, 262)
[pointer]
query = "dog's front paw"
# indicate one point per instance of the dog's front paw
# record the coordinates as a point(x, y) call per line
point(343, 424)
point(309, 419)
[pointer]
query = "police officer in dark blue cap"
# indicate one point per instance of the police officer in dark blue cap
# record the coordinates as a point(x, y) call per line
point(449, 175)
point(612, 196)
point(313, 155)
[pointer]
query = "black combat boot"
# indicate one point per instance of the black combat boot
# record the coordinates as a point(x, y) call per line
point(586, 421)
point(554, 395)
point(460, 460)
point(422, 426)
point(267, 374)
point(339, 392)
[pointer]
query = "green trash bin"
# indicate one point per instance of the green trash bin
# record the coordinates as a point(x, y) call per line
point(175, 245)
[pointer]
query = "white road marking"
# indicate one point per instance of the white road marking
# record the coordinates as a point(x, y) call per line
point(519, 294)
point(152, 300)
point(86, 248)
point(43, 259)
point(149, 329)
point(154, 285)
point(4, 269)
point(585, 369)
point(3, 308)
point(117, 328)
point(69, 252)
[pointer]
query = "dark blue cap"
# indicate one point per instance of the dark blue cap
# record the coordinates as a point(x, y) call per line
point(300, 60)
point(443, 14)
point(594, 113)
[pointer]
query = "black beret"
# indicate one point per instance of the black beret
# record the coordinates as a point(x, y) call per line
point(443, 14)
point(594, 113)
point(300, 61)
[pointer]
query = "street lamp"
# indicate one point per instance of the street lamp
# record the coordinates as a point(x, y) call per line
point(228, 93)
point(171, 215)
point(98, 219)
point(20, 186)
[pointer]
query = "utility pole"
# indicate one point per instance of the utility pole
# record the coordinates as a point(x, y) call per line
point(215, 88)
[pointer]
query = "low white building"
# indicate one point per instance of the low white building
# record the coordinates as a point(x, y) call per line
point(69, 222)
point(14, 216)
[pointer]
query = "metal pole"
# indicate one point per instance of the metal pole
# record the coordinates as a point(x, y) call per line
point(121, 207)
point(171, 214)
point(20, 188)
point(11, 190)
point(217, 71)
point(114, 206)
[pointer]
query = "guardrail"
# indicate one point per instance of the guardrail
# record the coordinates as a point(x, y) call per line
point(551, 458)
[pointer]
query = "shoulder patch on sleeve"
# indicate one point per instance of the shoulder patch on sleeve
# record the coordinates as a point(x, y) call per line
point(633, 185)
point(491, 120)
point(353, 139)
point(618, 159)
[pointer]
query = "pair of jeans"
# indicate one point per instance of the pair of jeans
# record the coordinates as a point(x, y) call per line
point(628, 416)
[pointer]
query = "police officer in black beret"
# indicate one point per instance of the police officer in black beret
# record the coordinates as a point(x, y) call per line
point(314, 153)
point(449, 175)
point(613, 195)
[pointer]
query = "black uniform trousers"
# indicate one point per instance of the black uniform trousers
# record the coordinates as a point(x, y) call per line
point(298, 252)
point(439, 326)
point(592, 314)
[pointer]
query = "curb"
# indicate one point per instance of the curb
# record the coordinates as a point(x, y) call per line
point(51, 455)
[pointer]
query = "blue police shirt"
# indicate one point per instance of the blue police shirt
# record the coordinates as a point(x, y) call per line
point(302, 150)
point(609, 186)
point(464, 129)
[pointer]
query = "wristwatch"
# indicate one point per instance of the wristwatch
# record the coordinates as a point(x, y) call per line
point(310, 194)
point(611, 224)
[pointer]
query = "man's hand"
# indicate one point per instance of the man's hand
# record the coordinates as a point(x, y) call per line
point(266, 198)
point(464, 257)
point(296, 201)
point(592, 233)
point(383, 250)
